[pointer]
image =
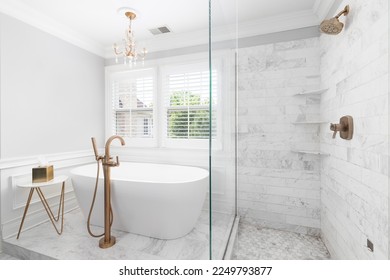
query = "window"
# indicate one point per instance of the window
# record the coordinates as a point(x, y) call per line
point(186, 91)
point(132, 104)
point(170, 109)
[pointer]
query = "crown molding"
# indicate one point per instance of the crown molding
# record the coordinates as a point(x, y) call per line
point(168, 41)
point(26, 14)
point(21, 11)
point(321, 8)
point(228, 32)
point(278, 23)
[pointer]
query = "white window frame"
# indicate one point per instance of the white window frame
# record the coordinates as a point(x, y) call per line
point(115, 75)
point(159, 140)
point(187, 143)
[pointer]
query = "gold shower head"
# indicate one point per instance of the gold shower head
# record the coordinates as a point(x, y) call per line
point(333, 26)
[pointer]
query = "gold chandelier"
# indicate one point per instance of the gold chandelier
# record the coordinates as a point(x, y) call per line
point(128, 49)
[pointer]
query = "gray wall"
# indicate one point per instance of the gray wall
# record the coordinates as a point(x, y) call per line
point(52, 93)
point(51, 102)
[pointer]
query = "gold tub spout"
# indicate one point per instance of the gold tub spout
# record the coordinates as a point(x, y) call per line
point(108, 159)
point(107, 241)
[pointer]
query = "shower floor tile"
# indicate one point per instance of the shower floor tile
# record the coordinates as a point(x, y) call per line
point(42, 242)
point(255, 242)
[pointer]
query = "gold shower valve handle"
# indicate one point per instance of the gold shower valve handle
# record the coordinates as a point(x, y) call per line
point(335, 128)
point(345, 127)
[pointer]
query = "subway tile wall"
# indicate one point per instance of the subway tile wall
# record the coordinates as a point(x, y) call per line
point(278, 186)
point(354, 179)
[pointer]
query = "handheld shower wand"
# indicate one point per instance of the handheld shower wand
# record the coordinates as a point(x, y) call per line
point(95, 150)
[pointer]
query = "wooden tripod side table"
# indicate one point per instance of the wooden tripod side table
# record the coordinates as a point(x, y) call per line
point(37, 187)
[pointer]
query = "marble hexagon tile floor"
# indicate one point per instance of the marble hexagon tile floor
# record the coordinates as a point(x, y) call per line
point(255, 242)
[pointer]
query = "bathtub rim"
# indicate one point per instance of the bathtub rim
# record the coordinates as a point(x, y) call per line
point(113, 178)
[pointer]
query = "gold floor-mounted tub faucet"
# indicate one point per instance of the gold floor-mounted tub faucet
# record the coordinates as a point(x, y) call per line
point(107, 161)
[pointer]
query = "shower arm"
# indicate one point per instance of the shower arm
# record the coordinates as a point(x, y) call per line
point(343, 12)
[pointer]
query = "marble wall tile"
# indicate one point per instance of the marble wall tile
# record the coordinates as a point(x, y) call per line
point(354, 179)
point(277, 187)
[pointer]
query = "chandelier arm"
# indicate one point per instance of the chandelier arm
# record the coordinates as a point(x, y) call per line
point(117, 52)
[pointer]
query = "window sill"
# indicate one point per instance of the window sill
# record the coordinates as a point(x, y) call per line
point(215, 147)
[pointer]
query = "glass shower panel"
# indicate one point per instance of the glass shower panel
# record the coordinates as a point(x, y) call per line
point(278, 147)
point(223, 40)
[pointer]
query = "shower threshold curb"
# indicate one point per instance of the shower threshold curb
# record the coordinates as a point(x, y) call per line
point(232, 240)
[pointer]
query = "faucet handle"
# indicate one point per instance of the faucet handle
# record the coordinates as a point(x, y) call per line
point(345, 127)
point(335, 128)
point(117, 161)
point(112, 163)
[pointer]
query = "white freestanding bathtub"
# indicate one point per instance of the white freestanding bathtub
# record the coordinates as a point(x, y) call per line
point(156, 200)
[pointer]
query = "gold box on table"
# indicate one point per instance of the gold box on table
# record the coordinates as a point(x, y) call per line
point(42, 174)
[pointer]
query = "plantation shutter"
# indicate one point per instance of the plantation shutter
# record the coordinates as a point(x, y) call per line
point(187, 99)
point(132, 103)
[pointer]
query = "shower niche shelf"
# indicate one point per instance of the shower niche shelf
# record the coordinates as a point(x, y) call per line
point(310, 152)
point(312, 92)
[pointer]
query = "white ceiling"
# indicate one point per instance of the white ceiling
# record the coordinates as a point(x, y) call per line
point(96, 22)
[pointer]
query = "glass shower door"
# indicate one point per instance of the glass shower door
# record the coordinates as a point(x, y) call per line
point(223, 124)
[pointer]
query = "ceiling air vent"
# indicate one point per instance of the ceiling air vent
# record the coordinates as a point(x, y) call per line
point(160, 30)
